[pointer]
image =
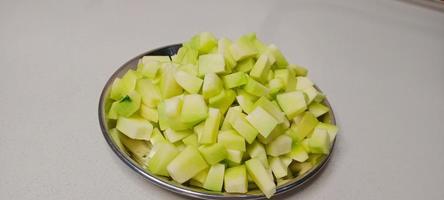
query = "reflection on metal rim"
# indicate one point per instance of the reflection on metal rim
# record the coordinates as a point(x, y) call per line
point(173, 186)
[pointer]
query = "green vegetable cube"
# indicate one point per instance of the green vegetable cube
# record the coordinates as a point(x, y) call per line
point(311, 94)
point(212, 85)
point(173, 106)
point(135, 128)
point(262, 121)
point(292, 103)
point(255, 88)
point(261, 68)
point(128, 105)
point(122, 87)
point(150, 92)
point(280, 59)
point(257, 150)
point(224, 49)
point(201, 176)
point(203, 42)
point(138, 148)
point(319, 142)
point(235, 80)
point(331, 129)
point(215, 178)
point(243, 48)
point(211, 129)
point(271, 108)
point(275, 85)
point(211, 63)
point(303, 82)
point(116, 135)
point(278, 167)
point(186, 55)
point(235, 180)
point(165, 153)
point(168, 84)
point(245, 103)
point(244, 128)
point(194, 109)
point(213, 153)
point(318, 109)
point(186, 165)
point(157, 137)
point(304, 128)
point(298, 70)
point(189, 68)
point(188, 82)
point(231, 140)
point(174, 136)
point(279, 146)
point(230, 116)
point(223, 100)
point(191, 140)
point(245, 65)
point(261, 177)
point(279, 130)
point(298, 153)
point(149, 114)
point(234, 155)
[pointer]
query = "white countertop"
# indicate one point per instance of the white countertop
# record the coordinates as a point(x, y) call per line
point(380, 62)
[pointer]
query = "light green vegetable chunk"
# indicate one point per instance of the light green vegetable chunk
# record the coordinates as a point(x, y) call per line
point(194, 109)
point(279, 146)
point(263, 121)
point(212, 85)
point(230, 116)
point(174, 136)
point(235, 80)
point(211, 63)
point(243, 48)
point(213, 153)
point(235, 180)
point(278, 168)
point(234, 155)
point(186, 165)
point(303, 82)
point(188, 82)
point(230, 139)
point(135, 128)
point(165, 153)
point(149, 114)
point(319, 142)
point(223, 100)
point(330, 128)
point(157, 137)
point(149, 92)
point(292, 103)
point(211, 128)
point(261, 177)
point(245, 65)
point(257, 150)
point(304, 128)
point(244, 128)
point(255, 88)
point(224, 49)
point(128, 105)
point(168, 84)
point(318, 109)
point(261, 68)
point(298, 153)
point(280, 59)
point(191, 140)
point(122, 87)
point(215, 178)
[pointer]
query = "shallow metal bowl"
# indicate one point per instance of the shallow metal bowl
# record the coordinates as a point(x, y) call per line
point(170, 185)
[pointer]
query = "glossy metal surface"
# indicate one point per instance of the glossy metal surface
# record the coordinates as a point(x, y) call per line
point(171, 185)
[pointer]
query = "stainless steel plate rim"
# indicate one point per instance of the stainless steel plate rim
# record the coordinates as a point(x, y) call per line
point(181, 189)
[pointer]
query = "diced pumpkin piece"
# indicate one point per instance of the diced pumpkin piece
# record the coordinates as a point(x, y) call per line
point(135, 128)
point(244, 128)
point(212, 85)
point(165, 153)
point(211, 129)
point(215, 178)
point(235, 80)
point(255, 88)
point(122, 87)
point(194, 109)
point(149, 114)
point(186, 165)
point(150, 92)
point(211, 63)
point(235, 180)
point(188, 82)
point(292, 103)
point(279, 146)
point(213, 153)
point(231, 140)
point(261, 177)
point(263, 121)
point(278, 168)
point(319, 142)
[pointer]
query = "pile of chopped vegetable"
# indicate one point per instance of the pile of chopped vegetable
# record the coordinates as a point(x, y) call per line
point(221, 115)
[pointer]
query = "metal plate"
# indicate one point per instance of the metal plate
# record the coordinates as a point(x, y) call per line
point(170, 185)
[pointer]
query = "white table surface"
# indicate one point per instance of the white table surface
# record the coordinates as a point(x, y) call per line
point(380, 62)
